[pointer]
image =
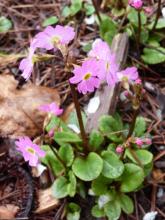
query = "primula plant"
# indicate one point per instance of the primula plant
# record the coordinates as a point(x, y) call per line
point(110, 162)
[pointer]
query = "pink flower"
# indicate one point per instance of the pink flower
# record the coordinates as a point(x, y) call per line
point(139, 142)
point(129, 74)
point(138, 81)
point(86, 76)
point(54, 37)
point(108, 66)
point(137, 4)
point(119, 149)
point(26, 65)
point(148, 10)
point(52, 108)
point(30, 151)
point(148, 141)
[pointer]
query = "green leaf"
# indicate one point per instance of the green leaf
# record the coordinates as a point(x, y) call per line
point(148, 169)
point(160, 24)
point(66, 154)
point(76, 6)
point(111, 127)
point(132, 178)
point(153, 56)
point(112, 210)
point(98, 213)
point(5, 24)
point(72, 184)
point(95, 140)
point(108, 29)
point(60, 187)
point(112, 165)
point(88, 168)
point(73, 211)
point(74, 120)
point(66, 137)
point(133, 17)
point(66, 11)
point(89, 9)
point(126, 204)
point(57, 124)
point(118, 12)
point(140, 127)
point(144, 36)
point(50, 21)
point(100, 185)
point(87, 47)
point(51, 161)
point(143, 155)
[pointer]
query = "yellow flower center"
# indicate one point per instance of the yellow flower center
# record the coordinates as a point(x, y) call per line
point(107, 66)
point(55, 39)
point(87, 76)
point(31, 150)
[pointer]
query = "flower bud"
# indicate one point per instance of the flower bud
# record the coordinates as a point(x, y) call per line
point(119, 149)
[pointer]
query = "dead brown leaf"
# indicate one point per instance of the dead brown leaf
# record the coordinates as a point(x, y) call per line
point(19, 114)
point(8, 211)
point(46, 201)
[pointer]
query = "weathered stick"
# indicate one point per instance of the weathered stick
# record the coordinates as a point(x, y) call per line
point(109, 95)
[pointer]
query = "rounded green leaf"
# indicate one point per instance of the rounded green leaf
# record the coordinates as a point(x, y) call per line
point(95, 140)
point(60, 187)
point(50, 21)
point(98, 213)
point(140, 127)
point(88, 168)
point(73, 211)
point(112, 165)
point(143, 155)
point(66, 154)
point(72, 184)
point(5, 24)
point(132, 177)
point(126, 204)
point(113, 210)
point(100, 185)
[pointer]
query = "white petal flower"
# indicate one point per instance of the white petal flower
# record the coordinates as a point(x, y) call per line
point(150, 216)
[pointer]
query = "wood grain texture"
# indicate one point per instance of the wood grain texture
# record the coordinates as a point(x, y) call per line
point(109, 95)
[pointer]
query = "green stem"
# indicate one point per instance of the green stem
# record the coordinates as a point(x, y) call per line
point(58, 157)
point(157, 15)
point(79, 116)
point(97, 10)
point(132, 126)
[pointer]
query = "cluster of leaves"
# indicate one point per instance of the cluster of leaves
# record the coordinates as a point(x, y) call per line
point(110, 175)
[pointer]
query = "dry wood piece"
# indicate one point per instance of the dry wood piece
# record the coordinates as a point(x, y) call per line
point(8, 211)
point(46, 201)
point(19, 114)
point(109, 95)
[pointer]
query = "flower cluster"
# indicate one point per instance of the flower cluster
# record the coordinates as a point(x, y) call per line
point(99, 66)
point(50, 38)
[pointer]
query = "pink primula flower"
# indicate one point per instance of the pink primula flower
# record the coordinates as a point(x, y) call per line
point(86, 76)
point(30, 151)
point(51, 37)
point(26, 65)
point(129, 74)
point(108, 66)
point(52, 108)
point(137, 4)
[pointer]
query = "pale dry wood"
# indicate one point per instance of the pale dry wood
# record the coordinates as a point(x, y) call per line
point(46, 201)
point(109, 95)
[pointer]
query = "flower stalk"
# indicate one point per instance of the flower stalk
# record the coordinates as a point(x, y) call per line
point(157, 15)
